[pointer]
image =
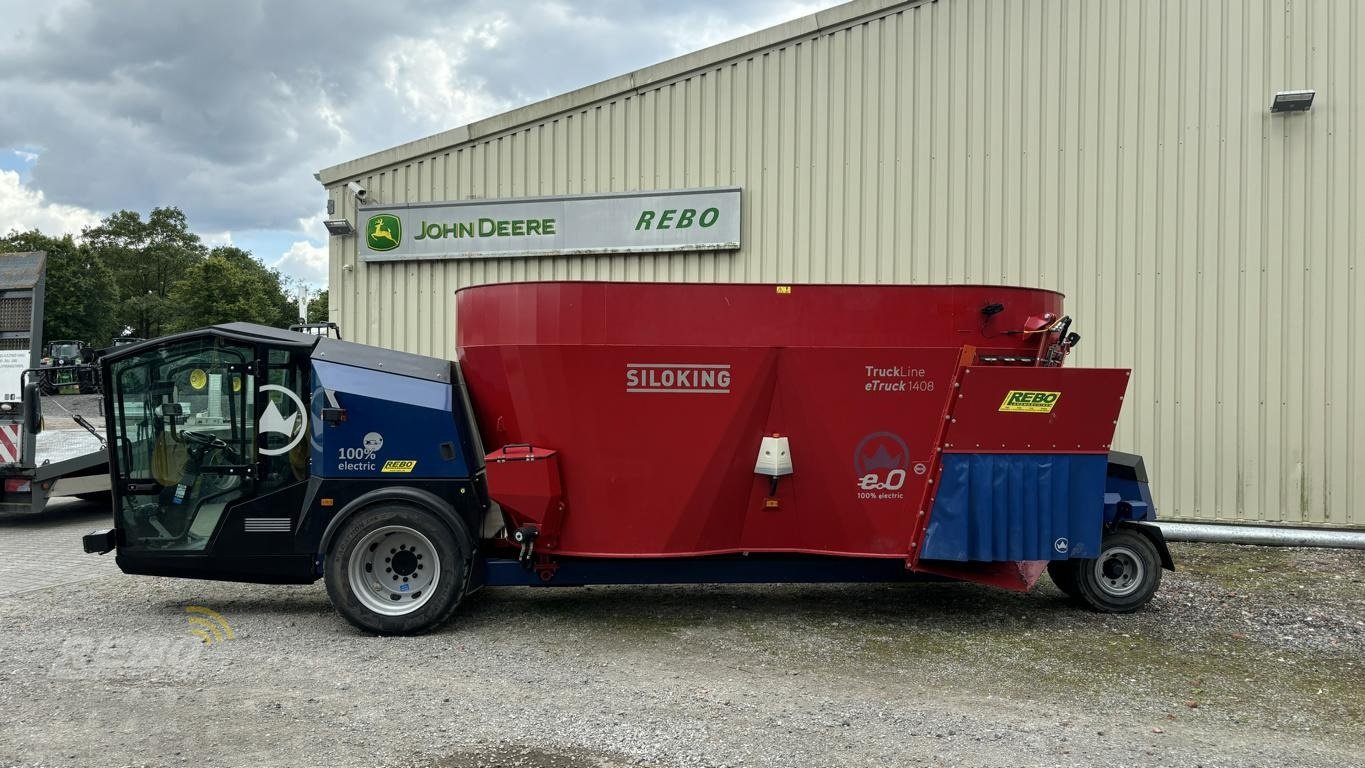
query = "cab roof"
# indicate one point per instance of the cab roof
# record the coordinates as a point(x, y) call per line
point(320, 348)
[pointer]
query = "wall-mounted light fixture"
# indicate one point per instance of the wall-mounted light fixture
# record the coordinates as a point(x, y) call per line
point(1293, 101)
point(339, 227)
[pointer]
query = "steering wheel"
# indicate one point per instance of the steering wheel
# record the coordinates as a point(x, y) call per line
point(203, 442)
point(203, 439)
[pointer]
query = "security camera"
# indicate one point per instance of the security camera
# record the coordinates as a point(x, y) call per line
point(357, 190)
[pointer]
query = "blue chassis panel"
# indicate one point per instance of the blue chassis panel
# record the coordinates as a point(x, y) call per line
point(505, 572)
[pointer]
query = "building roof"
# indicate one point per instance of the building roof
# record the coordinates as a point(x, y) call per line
point(20, 271)
point(840, 16)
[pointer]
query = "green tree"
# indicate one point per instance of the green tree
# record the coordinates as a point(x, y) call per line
point(228, 285)
point(147, 258)
point(80, 295)
point(317, 308)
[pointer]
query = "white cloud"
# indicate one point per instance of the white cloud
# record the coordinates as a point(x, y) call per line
point(22, 209)
point(425, 77)
point(719, 26)
point(488, 34)
point(306, 260)
point(215, 239)
point(227, 116)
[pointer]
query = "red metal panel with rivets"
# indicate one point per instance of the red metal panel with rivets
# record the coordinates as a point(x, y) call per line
point(1052, 410)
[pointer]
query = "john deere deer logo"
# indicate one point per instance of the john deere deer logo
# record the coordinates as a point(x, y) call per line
point(384, 232)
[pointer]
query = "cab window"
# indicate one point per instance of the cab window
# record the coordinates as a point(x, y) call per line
point(185, 440)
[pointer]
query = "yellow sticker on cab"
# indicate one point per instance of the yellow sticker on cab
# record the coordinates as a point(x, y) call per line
point(1029, 401)
point(398, 465)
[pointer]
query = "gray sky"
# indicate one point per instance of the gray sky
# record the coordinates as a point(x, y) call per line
point(227, 109)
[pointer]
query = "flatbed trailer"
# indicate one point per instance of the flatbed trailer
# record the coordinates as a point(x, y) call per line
point(608, 433)
point(65, 459)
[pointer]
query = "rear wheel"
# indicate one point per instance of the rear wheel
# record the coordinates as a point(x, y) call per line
point(1124, 577)
point(398, 570)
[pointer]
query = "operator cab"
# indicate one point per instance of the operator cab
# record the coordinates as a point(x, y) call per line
point(66, 352)
point(207, 426)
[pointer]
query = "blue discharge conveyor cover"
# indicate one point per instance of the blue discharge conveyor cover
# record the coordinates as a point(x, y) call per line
point(1014, 507)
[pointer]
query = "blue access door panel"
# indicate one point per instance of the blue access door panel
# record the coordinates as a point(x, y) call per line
point(395, 426)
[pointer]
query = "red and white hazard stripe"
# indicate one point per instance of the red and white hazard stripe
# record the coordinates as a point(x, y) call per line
point(9, 443)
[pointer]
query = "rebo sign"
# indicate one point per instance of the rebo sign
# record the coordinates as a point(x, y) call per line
point(641, 222)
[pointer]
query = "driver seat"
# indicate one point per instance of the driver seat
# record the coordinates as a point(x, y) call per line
point(168, 459)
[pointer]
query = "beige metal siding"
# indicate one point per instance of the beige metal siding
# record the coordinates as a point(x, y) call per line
point(1119, 151)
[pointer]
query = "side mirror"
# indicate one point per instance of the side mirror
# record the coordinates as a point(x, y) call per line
point(33, 409)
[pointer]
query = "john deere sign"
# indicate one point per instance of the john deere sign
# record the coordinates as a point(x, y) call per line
point(647, 222)
point(383, 232)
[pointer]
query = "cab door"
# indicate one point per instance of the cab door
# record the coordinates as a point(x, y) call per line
point(198, 431)
point(183, 441)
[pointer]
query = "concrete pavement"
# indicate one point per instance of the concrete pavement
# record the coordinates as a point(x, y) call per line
point(44, 550)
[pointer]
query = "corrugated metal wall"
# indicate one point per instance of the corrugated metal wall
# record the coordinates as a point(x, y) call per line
point(1119, 151)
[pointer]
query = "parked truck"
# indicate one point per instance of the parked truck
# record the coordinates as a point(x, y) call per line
point(608, 433)
point(38, 459)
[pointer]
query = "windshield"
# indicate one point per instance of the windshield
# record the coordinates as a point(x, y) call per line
point(184, 440)
point(66, 350)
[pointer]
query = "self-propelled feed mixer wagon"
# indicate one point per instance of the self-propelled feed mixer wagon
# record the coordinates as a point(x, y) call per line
point(614, 433)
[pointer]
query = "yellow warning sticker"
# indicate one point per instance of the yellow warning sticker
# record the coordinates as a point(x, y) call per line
point(236, 384)
point(198, 379)
point(1029, 401)
point(398, 465)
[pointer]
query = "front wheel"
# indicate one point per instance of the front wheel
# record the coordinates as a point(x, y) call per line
point(1124, 577)
point(398, 570)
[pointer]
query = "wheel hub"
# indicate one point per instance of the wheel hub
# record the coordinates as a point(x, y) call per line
point(394, 570)
point(1119, 571)
point(404, 562)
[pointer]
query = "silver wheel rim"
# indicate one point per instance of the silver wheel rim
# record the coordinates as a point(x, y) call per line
point(1119, 571)
point(394, 570)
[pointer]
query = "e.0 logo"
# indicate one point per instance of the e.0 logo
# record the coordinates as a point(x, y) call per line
point(873, 482)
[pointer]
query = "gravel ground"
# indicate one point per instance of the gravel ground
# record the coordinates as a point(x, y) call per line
point(1248, 657)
